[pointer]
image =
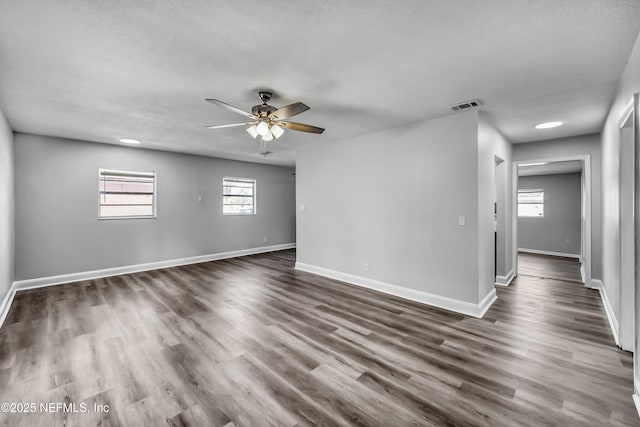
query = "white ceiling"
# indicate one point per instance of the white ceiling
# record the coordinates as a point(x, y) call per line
point(552, 168)
point(102, 70)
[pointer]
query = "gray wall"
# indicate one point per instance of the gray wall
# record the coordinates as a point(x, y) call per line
point(6, 207)
point(57, 232)
point(573, 146)
point(392, 199)
point(559, 229)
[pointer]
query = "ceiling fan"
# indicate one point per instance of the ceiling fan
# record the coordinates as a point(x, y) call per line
point(267, 121)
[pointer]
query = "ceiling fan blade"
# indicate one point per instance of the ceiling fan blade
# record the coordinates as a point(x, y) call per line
point(301, 127)
point(230, 125)
point(289, 111)
point(230, 107)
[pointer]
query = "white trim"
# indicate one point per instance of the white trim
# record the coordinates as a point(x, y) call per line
point(550, 253)
point(505, 280)
point(595, 284)
point(636, 400)
point(486, 303)
point(464, 307)
point(628, 112)
point(608, 309)
point(95, 274)
point(6, 303)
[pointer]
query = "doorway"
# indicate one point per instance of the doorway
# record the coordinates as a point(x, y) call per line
point(500, 222)
point(580, 245)
point(632, 120)
point(550, 219)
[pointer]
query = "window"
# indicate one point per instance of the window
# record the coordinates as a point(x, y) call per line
point(127, 194)
point(531, 203)
point(238, 196)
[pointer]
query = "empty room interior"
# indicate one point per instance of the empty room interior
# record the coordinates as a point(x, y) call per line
point(373, 213)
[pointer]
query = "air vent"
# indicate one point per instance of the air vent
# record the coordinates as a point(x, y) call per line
point(473, 103)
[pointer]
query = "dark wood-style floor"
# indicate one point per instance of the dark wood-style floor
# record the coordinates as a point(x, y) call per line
point(550, 267)
point(251, 341)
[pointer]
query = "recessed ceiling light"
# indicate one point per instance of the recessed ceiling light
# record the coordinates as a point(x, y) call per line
point(533, 164)
point(548, 125)
point(129, 141)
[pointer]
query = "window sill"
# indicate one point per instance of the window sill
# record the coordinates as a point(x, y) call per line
point(109, 218)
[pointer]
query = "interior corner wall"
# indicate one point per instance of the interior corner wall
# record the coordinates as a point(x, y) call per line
point(559, 230)
point(56, 202)
point(492, 147)
point(391, 200)
point(576, 146)
point(628, 85)
point(6, 207)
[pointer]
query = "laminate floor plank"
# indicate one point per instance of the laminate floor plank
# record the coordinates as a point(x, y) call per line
point(551, 267)
point(251, 341)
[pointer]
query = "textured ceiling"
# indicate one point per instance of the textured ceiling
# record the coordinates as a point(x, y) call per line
point(102, 70)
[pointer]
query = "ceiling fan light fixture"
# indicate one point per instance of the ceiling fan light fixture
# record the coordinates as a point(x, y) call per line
point(277, 131)
point(252, 131)
point(262, 128)
point(268, 137)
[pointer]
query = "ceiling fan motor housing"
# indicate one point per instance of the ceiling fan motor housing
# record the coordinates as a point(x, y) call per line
point(262, 110)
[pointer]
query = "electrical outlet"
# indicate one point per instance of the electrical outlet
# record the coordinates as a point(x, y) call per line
point(302, 208)
point(266, 239)
point(461, 220)
point(365, 267)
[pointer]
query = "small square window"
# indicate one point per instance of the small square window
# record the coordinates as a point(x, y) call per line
point(531, 203)
point(238, 196)
point(126, 194)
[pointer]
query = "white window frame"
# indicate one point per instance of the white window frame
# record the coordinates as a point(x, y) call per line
point(152, 174)
point(532, 190)
point(254, 197)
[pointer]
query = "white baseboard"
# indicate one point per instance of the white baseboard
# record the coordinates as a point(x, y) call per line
point(636, 400)
point(107, 272)
point(486, 303)
point(595, 284)
point(463, 307)
point(505, 280)
point(6, 303)
point(613, 322)
point(550, 253)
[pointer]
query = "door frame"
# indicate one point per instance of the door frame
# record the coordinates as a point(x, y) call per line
point(585, 233)
point(500, 172)
point(626, 248)
point(635, 106)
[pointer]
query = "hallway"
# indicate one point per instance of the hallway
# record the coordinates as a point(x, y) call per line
point(565, 337)
point(549, 267)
